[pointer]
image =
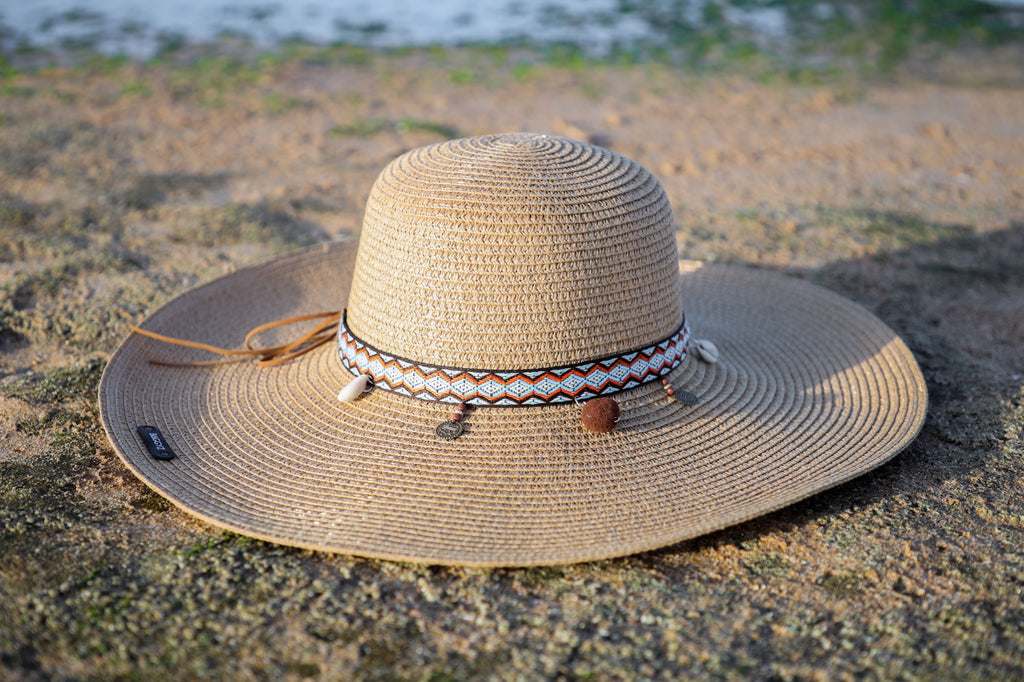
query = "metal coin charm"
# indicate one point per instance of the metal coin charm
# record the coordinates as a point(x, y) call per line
point(685, 397)
point(449, 430)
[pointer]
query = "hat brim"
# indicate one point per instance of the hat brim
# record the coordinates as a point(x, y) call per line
point(811, 390)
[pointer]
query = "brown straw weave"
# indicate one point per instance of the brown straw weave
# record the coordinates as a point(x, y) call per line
point(511, 252)
point(549, 248)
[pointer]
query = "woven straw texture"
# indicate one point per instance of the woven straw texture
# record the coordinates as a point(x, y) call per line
point(810, 391)
point(553, 249)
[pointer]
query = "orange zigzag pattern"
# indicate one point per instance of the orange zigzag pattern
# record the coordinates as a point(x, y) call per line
point(531, 387)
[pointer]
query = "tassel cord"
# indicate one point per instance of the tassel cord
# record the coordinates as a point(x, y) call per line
point(267, 357)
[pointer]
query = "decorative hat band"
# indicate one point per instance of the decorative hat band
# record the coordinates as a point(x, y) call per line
point(511, 388)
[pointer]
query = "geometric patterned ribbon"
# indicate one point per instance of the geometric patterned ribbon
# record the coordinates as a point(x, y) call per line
point(511, 388)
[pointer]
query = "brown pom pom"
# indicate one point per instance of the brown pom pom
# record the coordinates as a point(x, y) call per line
point(600, 415)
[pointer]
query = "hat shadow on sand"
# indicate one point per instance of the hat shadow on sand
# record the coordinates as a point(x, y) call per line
point(958, 303)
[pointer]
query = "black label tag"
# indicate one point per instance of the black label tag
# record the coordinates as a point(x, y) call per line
point(156, 443)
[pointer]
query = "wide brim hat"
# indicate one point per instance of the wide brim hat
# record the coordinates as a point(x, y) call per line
point(499, 287)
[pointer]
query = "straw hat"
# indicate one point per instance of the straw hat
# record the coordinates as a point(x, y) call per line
point(522, 385)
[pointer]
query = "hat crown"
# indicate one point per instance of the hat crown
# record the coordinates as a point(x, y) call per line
point(515, 251)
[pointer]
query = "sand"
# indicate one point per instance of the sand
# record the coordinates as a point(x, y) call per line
point(122, 185)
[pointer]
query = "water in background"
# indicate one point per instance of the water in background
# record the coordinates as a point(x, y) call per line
point(142, 29)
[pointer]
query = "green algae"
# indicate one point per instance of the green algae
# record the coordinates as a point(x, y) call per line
point(59, 386)
point(263, 223)
point(148, 190)
point(842, 584)
point(367, 127)
point(39, 495)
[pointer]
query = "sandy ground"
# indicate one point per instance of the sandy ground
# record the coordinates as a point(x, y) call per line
point(122, 187)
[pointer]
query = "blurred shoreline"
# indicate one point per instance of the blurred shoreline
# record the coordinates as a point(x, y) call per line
point(873, 34)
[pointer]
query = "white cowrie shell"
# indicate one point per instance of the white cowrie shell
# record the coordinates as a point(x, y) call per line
point(706, 350)
point(354, 388)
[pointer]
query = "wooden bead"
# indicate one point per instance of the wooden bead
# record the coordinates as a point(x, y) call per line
point(600, 415)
